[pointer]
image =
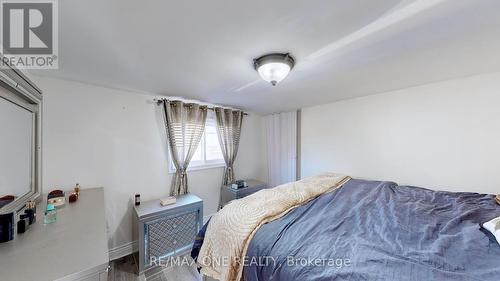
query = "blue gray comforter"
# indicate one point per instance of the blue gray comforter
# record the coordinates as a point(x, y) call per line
point(371, 230)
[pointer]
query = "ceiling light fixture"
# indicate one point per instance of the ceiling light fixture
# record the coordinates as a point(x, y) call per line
point(274, 67)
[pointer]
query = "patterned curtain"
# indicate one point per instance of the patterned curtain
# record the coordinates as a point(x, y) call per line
point(185, 123)
point(229, 130)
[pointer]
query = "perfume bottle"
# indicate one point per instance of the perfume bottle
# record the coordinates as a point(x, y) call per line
point(30, 211)
point(50, 214)
point(23, 224)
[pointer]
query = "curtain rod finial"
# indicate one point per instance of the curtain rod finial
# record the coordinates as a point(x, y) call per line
point(158, 101)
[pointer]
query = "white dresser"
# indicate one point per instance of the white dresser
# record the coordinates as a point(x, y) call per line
point(73, 248)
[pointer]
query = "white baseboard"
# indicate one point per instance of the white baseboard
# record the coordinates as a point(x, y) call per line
point(123, 250)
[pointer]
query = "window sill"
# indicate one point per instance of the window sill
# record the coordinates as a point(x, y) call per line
point(202, 167)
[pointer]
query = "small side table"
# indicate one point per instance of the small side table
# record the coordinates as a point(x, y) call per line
point(167, 231)
point(229, 193)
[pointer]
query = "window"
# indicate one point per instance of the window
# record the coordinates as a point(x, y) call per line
point(208, 154)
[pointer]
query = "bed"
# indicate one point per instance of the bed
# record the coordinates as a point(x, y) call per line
point(372, 230)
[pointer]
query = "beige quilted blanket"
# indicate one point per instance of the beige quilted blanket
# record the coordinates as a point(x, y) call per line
point(231, 230)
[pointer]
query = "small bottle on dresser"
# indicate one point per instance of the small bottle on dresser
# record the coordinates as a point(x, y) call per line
point(22, 224)
point(30, 211)
point(50, 214)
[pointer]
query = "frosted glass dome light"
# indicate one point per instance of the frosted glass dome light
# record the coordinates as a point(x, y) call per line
point(273, 68)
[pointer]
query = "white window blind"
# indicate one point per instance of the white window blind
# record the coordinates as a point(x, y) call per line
point(208, 154)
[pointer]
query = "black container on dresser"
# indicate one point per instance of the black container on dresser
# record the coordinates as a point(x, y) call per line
point(167, 231)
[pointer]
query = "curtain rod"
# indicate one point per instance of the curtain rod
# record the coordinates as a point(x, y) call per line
point(159, 102)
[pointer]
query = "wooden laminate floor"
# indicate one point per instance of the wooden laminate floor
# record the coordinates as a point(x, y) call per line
point(126, 269)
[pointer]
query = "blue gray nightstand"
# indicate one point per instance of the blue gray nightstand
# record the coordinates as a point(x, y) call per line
point(229, 194)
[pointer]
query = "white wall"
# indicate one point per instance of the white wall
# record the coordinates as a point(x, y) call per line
point(441, 136)
point(98, 136)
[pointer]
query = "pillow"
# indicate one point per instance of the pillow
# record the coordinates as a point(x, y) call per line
point(493, 226)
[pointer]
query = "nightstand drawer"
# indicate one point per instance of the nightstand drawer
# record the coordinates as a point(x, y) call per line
point(174, 225)
point(166, 237)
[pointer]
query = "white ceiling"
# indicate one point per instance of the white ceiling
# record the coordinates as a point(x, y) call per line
point(204, 49)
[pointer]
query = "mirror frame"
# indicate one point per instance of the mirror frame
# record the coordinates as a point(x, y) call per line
point(23, 92)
